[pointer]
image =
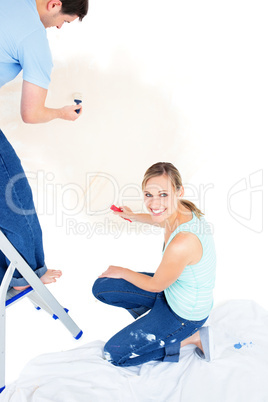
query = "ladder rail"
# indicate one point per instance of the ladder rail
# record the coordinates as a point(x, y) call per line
point(3, 292)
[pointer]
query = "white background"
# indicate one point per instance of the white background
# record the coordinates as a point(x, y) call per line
point(184, 82)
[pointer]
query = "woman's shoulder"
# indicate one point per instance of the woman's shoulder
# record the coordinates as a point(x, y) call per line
point(182, 240)
point(185, 245)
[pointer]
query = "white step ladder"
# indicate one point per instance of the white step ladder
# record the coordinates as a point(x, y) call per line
point(38, 293)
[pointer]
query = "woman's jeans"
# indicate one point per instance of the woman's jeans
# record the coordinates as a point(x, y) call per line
point(155, 336)
point(18, 219)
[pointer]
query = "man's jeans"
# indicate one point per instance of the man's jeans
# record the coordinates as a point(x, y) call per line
point(155, 336)
point(18, 219)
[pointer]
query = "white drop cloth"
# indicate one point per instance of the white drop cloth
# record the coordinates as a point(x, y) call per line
point(239, 372)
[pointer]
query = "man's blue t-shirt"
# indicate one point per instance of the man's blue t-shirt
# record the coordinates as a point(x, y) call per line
point(23, 43)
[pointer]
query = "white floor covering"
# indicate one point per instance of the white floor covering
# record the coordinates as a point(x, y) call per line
point(238, 373)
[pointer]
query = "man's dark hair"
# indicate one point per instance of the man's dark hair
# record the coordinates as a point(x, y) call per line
point(75, 7)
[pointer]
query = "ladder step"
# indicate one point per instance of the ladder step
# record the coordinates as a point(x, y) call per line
point(56, 317)
point(14, 295)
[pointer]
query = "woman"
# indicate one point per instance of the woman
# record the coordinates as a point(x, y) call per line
point(180, 293)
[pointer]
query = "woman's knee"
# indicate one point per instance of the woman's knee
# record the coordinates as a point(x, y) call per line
point(102, 286)
point(110, 354)
point(108, 286)
point(96, 288)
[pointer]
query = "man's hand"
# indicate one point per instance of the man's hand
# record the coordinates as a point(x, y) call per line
point(70, 112)
point(33, 109)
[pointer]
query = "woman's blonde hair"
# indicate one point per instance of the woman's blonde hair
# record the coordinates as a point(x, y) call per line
point(166, 168)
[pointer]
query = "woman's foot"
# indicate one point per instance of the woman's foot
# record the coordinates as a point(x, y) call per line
point(203, 340)
point(193, 340)
point(206, 352)
point(50, 276)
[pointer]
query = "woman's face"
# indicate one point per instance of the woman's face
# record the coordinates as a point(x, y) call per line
point(161, 198)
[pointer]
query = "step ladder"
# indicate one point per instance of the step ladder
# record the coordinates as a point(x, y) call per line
point(38, 293)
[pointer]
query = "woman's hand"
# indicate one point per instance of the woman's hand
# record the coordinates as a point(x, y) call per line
point(114, 272)
point(126, 213)
point(142, 281)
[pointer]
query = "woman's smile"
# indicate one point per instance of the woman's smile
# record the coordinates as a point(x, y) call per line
point(158, 212)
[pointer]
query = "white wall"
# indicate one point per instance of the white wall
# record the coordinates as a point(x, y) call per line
point(184, 82)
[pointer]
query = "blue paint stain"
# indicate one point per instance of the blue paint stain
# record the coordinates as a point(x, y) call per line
point(238, 345)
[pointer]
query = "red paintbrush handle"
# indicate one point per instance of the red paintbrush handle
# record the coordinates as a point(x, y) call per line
point(116, 209)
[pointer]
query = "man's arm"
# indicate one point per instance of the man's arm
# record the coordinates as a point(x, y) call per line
point(33, 109)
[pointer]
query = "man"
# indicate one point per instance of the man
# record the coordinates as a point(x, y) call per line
point(24, 46)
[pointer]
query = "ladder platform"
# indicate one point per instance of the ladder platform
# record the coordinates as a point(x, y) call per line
point(14, 295)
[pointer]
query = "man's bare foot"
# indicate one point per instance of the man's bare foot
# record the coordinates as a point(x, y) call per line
point(50, 276)
point(21, 287)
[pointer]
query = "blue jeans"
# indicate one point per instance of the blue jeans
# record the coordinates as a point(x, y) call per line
point(154, 336)
point(18, 219)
